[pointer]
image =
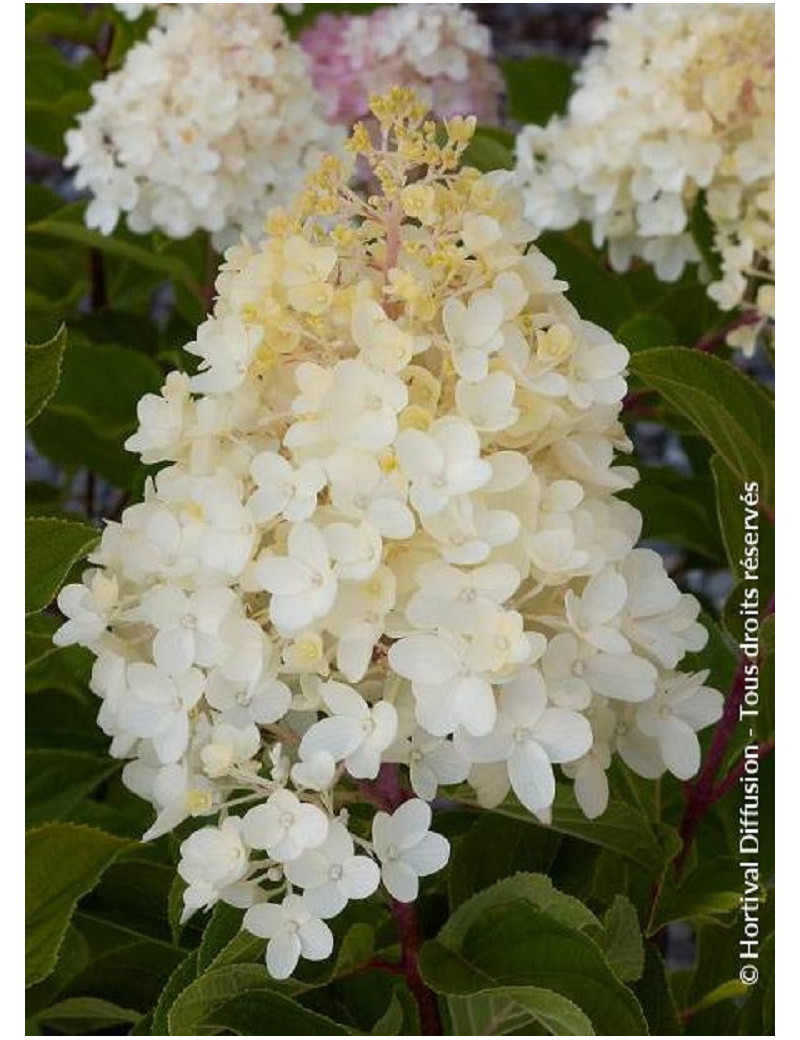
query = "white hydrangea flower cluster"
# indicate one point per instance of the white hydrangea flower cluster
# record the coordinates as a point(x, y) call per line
point(387, 537)
point(675, 100)
point(210, 120)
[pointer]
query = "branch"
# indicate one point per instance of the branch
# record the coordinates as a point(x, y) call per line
point(701, 792)
point(704, 792)
point(737, 771)
point(716, 339)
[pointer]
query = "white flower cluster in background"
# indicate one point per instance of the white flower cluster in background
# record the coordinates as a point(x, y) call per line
point(134, 11)
point(210, 120)
point(440, 50)
point(387, 538)
point(673, 101)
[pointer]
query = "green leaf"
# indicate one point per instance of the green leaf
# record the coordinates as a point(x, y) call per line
point(622, 942)
point(513, 944)
point(489, 149)
point(718, 656)
point(732, 412)
point(392, 1020)
point(494, 848)
point(599, 294)
point(709, 893)
point(677, 509)
point(197, 1004)
point(758, 1014)
point(52, 547)
point(42, 499)
point(243, 948)
point(645, 331)
point(690, 309)
point(39, 202)
point(224, 925)
point(73, 956)
point(82, 1015)
point(71, 442)
point(56, 90)
point(655, 996)
point(42, 372)
point(67, 225)
point(514, 1010)
point(134, 895)
point(66, 670)
point(175, 908)
point(102, 385)
point(125, 967)
point(39, 629)
point(62, 863)
point(55, 781)
point(745, 532)
point(701, 228)
point(729, 990)
point(261, 1013)
point(622, 828)
point(65, 21)
point(94, 410)
point(355, 949)
point(537, 87)
point(536, 890)
point(185, 973)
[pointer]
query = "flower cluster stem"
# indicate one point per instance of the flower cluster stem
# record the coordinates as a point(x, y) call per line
point(388, 792)
point(407, 924)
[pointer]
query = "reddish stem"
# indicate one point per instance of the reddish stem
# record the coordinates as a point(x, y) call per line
point(704, 792)
point(380, 964)
point(700, 794)
point(716, 339)
point(388, 792)
point(637, 401)
point(737, 771)
point(407, 924)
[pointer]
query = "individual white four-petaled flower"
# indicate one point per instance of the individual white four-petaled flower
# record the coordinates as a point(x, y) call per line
point(285, 826)
point(213, 863)
point(353, 732)
point(332, 874)
point(293, 932)
point(407, 848)
point(530, 736)
point(283, 490)
point(302, 583)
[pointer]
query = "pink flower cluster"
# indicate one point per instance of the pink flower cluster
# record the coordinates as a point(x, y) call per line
point(441, 50)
